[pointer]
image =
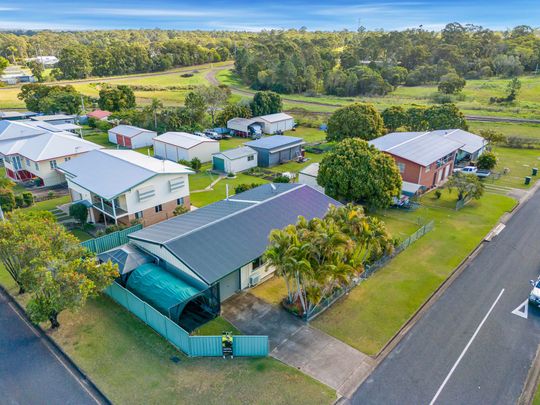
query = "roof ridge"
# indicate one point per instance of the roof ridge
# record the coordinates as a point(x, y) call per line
point(408, 140)
point(251, 205)
point(106, 151)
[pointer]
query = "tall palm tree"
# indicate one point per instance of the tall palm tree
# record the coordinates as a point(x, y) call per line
point(155, 105)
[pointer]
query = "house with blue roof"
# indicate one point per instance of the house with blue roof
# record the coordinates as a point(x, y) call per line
point(276, 149)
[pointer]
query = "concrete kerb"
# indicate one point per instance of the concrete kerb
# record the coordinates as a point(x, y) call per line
point(533, 378)
point(394, 341)
point(83, 379)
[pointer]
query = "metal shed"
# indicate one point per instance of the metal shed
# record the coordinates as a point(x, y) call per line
point(276, 149)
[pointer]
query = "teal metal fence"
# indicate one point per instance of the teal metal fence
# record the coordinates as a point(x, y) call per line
point(110, 241)
point(196, 346)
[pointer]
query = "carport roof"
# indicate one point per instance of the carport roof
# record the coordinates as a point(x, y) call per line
point(215, 240)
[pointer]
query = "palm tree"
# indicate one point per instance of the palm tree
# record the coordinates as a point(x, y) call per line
point(278, 256)
point(154, 107)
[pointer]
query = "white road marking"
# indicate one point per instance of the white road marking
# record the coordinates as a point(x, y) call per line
point(522, 310)
point(465, 350)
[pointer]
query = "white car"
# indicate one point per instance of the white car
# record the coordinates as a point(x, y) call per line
point(534, 296)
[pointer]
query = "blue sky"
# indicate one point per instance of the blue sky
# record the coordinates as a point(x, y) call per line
point(254, 15)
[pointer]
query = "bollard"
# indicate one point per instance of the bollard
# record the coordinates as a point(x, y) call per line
point(527, 180)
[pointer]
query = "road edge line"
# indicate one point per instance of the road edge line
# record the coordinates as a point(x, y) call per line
point(57, 351)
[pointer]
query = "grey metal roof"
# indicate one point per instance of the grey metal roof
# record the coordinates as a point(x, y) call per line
point(110, 172)
point(275, 141)
point(130, 131)
point(237, 153)
point(225, 244)
point(472, 143)
point(423, 148)
point(276, 117)
point(53, 117)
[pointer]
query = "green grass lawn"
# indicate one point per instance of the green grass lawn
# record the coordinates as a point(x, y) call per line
point(234, 142)
point(99, 137)
point(81, 235)
point(508, 129)
point(536, 399)
point(308, 134)
point(366, 319)
point(272, 291)
point(520, 162)
point(48, 205)
point(216, 327)
point(131, 363)
point(219, 193)
point(295, 167)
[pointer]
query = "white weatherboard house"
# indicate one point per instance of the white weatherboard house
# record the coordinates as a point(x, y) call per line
point(124, 185)
point(31, 152)
point(177, 146)
point(131, 137)
point(235, 160)
point(268, 124)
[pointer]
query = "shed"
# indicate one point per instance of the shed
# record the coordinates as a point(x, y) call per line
point(308, 175)
point(245, 126)
point(279, 122)
point(235, 160)
point(131, 137)
point(177, 146)
point(276, 149)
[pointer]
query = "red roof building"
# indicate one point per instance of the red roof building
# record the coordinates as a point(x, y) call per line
point(99, 114)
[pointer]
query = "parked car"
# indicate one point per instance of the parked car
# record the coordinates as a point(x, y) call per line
point(534, 296)
point(199, 134)
point(472, 170)
point(213, 135)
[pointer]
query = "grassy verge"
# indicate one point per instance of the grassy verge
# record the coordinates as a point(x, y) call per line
point(366, 319)
point(132, 364)
point(536, 399)
point(81, 235)
point(216, 327)
point(520, 162)
point(507, 128)
point(48, 205)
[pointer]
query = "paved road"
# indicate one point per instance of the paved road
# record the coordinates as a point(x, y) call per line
point(30, 373)
point(469, 348)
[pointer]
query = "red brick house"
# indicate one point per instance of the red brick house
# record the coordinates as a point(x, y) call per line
point(423, 158)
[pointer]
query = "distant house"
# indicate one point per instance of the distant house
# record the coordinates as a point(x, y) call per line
point(220, 246)
point(473, 145)
point(177, 146)
point(267, 124)
point(31, 152)
point(123, 185)
point(131, 137)
point(15, 115)
point(423, 158)
point(276, 149)
point(235, 160)
point(15, 74)
point(308, 175)
point(99, 115)
point(55, 119)
point(46, 61)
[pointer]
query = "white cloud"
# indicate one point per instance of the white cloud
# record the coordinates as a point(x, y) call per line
point(36, 25)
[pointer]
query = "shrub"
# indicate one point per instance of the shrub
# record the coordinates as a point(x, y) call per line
point(195, 164)
point(184, 162)
point(180, 209)
point(19, 202)
point(282, 179)
point(487, 161)
point(103, 125)
point(7, 200)
point(244, 187)
point(28, 198)
point(438, 194)
point(79, 212)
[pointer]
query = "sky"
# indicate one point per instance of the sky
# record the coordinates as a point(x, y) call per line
point(256, 15)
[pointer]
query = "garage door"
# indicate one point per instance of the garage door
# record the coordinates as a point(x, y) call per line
point(219, 164)
point(229, 285)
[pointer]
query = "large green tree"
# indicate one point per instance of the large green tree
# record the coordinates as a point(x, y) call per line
point(116, 98)
point(266, 102)
point(394, 117)
point(467, 186)
point(214, 97)
point(74, 63)
point(51, 99)
point(355, 171)
point(358, 120)
point(231, 111)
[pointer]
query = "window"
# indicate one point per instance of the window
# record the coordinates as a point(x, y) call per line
point(180, 201)
point(158, 208)
point(258, 262)
point(139, 215)
point(28, 162)
point(251, 157)
point(16, 160)
point(67, 159)
point(401, 167)
point(428, 168)
point(52, 163)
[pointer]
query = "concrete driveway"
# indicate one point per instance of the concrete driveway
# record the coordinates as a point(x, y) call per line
point(297, 344)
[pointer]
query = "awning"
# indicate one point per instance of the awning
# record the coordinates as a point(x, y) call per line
point(410, 189)
point(127, 257)
point(162, 290)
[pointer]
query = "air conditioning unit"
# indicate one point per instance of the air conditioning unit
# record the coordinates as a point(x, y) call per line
point(254, 280)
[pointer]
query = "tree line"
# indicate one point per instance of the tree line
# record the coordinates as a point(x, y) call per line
point(375, 62)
